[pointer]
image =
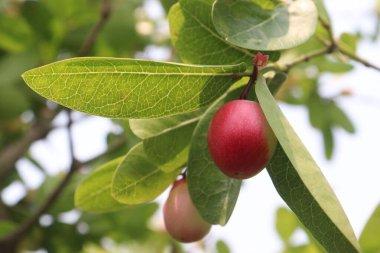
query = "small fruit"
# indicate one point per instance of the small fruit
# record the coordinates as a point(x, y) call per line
point(240, 140)
point(181, 218)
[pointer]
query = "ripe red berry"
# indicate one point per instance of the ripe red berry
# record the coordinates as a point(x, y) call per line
point(240, 140)
point(181, 218)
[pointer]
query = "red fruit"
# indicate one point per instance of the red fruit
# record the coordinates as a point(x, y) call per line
point(240, 140)
point(182, 220)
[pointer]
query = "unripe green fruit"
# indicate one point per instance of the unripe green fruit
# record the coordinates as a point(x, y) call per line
point(240, 140)
point(182, 220)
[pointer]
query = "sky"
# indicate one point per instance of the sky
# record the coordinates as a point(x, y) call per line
point(353, 172)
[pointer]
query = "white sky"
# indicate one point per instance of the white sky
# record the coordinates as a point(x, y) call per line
point(353, 173)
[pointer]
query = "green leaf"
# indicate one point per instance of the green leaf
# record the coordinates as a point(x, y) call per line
point(332, 64)
point(39, 18)
point(94, 192)
point(148, 128)
point(167, 139)
point(369, 238)
point(339, 118)
point(265, 25)
point(301, 184)
point(348, 42)
point(213, 193)
point(128, 88)
point(328, 140)
point(7, 227)
point(15, 34)
point(195, 38)
point(277, 81)
point(222, 247)
point(286, 223)
point(12, 102)
point(138, 180)
point(322, 12)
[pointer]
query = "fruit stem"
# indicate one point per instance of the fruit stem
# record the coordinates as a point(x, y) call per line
point(252, 80)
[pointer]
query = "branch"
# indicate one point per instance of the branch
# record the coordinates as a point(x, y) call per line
point(326, 24)
point(10, 154)
point(105, 13)
point(25, 227)
point(9, 242)
point(358, 59)
point(305, 58)
point(335, 45)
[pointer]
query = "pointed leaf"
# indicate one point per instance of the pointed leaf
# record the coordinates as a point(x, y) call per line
point(301, 183)
point(94, 192)
point(328, 140)
point(137, 180)
point(128, 88)
point(213, 193)
point(195, 38)
point(369, 239)
point(265, 25)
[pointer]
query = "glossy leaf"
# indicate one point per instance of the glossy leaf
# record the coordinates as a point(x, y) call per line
point(94, 192)
point(301, 184)
point(195, 38)
point(369, 238)
point(213, 193)
point(128, 88)
point(138, 180)
point(265, 25)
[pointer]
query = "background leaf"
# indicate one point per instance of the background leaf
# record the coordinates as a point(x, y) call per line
point(128, 88)
point(93, 194)
point(213, 193)
point(168, 138)
point(369, 238)
point(15, 34)
point(137, 180)
point(302, 185)
point(265, 25)
point(148, 128)
point(348, 42)
point(195, 38)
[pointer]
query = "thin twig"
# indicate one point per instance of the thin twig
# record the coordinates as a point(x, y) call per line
point(334, 45)
point(328, 28)
point(358, 59)
point(91, 37)
point(305, 58)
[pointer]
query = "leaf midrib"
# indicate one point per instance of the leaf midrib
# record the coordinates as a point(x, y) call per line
point(127, 73)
